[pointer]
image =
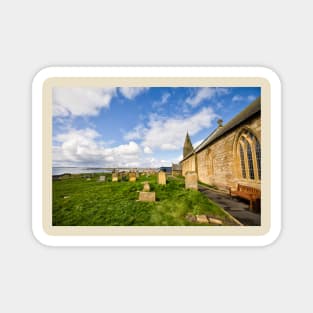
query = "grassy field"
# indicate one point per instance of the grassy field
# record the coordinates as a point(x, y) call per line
point(81, 202)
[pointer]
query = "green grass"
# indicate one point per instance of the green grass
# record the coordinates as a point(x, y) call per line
point(207, 185)
point(81, 202)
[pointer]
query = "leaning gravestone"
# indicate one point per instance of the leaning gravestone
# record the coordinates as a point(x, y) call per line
point(102, 178)
point(191, 180)
point(146, 186)
point(132, 176)
point(114, 176)
point(162, 178)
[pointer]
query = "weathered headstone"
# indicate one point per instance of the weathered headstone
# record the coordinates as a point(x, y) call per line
point(114, 177)
point(132, 176)
point(147, 196)
point(191, 180)
point(162, 178)
point(202, 219)
point(102, 178)
point(146, 186)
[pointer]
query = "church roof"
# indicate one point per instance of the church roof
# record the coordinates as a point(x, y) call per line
point(188, 148)
point(246, 113)
point(176, 167)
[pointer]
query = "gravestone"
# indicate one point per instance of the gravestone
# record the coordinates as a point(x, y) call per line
point(102, 178)
point(132, 176)
point(114, 176)
point(146, 186)
point(191, 180)
point(148, 196)
point(162, 178)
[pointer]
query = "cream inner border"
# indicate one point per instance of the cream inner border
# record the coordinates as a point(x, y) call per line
point(155, 82)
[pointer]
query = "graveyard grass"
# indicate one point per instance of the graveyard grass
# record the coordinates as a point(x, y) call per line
point(81, 202)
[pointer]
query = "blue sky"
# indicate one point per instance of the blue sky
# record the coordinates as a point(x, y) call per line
point(137, 126)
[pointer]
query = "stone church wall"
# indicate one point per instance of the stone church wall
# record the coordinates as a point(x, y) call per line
point(189, 165)
point(218, 164)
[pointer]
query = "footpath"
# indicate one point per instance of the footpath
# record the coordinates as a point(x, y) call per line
point(237, 208)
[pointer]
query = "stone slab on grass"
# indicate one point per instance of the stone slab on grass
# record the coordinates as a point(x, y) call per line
point(202, 219)
point(216, 221)
point(147, 196)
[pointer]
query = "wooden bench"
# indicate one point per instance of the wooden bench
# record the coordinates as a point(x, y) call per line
point(248, 193)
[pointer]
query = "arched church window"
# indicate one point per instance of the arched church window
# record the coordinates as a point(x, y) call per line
point(250, 160)
point(249, 150)
point(258, 157)
point(242, 162)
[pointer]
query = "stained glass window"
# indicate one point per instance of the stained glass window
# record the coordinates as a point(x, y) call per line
point(250, 156)
point(250, 161)
point(258, 156)
point(242, 161)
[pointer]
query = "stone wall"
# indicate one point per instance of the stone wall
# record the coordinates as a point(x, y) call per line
point(189, 165)
point(176, 172)
point(218, 163)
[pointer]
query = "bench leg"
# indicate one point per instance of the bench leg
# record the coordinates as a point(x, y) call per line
point(251, 205)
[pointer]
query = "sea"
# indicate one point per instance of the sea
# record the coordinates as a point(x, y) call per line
point(78, 170)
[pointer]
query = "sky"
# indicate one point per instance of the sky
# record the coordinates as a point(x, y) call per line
point(137, 126)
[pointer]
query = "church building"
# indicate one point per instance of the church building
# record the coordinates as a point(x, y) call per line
point(231, 154)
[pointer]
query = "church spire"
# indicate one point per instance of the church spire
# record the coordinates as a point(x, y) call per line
point(188, 148)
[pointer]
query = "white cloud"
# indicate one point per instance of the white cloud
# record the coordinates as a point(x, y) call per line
point(237, 98)
point(147, 150)
point(205, 93)
point(81, 101)
point(196, 144)
point(84, 148)
point(154, 163)
point(159, 104)
point(165, 97)
point(132, 92)
point(136, 133)
point(169, 133)
point(178, 159)
point(80, 147)
point(219, 105)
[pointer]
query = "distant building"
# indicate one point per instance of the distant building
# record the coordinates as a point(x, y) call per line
point(231, 154)
point(176, 170)
point(166, 169)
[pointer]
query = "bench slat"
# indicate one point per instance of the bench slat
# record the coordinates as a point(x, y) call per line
point(249, 193)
